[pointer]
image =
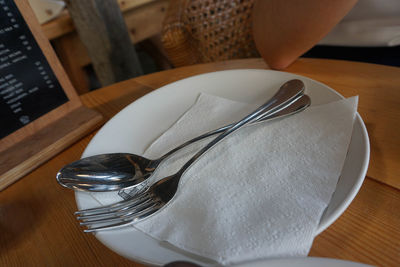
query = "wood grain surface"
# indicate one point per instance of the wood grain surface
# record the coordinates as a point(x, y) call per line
point(38, 228)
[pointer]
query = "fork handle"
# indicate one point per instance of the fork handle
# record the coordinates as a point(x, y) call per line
point(287, 94)
point(292, 84)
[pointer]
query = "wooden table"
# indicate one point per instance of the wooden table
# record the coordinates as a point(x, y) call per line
point(37, 226)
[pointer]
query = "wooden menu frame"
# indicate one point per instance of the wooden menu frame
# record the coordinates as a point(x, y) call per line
point(33, 144)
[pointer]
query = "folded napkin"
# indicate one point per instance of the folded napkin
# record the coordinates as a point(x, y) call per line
point(258, 194)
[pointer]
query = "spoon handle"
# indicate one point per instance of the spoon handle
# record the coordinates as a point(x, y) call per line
point(273, 113)
point(298, 105)
point(288, 93)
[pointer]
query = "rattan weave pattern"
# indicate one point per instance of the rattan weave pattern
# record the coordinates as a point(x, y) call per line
point(200, 31)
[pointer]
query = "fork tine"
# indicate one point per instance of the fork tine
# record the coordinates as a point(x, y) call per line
point(117, 217)
point(124, 221)
point(116, 206)
point(126, 211)
point(126, 206)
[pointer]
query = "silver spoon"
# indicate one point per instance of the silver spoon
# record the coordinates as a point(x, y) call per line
point(115, 171)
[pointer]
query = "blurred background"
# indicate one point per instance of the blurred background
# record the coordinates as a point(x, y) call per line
point(135, 37)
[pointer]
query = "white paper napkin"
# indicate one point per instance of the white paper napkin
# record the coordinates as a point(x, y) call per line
point(258, 194)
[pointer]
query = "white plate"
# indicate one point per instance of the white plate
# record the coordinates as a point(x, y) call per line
point(137, 125)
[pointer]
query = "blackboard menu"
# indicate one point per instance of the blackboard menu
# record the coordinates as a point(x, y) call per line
point(28, 86)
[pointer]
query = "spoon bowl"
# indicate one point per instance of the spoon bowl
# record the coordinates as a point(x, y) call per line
point(106, 172)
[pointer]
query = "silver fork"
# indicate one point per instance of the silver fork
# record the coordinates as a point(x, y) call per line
point(160, 193)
